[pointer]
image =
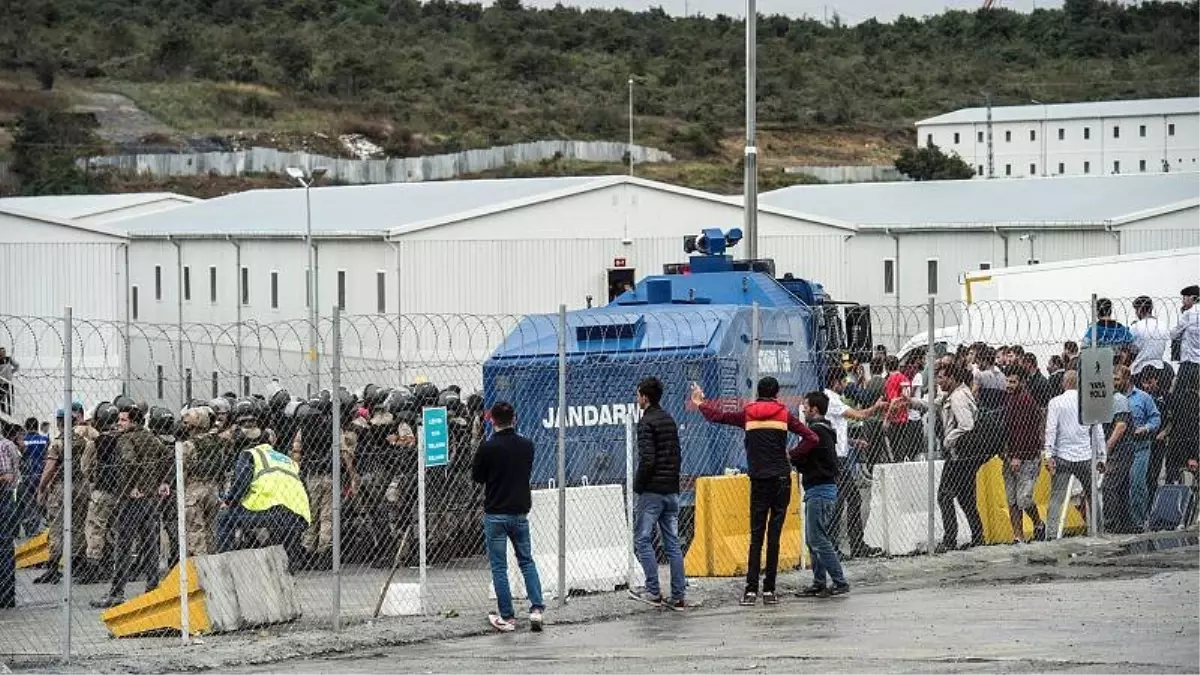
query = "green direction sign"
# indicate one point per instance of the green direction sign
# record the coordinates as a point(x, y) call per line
point(434, 433)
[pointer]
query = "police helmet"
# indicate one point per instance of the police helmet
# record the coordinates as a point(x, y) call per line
point(245, 410)
point(161, 420)
point(279, 401)
point(397, 400)
point(105, 416)
point(124, 403)
point(373, 396)
point(220, 405)
point(425, 393)
point(450, 400)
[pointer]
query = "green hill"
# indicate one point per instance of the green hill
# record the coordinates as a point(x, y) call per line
point(435, 76)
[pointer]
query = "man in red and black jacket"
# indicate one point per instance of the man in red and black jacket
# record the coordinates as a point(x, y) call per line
point(767, 423)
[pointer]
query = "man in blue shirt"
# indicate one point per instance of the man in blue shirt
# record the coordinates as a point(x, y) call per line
point(1108, 331)
point(1130, 462)
point(33, 458)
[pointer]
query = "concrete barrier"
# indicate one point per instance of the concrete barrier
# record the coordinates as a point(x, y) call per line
point(598, 542)
point(226, 592)
point(722, 538)
point(899, 518)
point(898, 521)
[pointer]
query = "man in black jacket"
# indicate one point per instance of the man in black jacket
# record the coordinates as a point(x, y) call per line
point(657, 487)
point(503, 464)
point(818, 468)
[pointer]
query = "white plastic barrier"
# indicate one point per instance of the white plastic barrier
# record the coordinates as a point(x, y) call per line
point(898, 521)
point(598, 542)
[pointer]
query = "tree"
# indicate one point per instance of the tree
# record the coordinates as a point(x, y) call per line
point(930, 163)
point(45, 146)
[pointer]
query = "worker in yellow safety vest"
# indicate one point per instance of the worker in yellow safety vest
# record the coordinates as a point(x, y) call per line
point(266, 490)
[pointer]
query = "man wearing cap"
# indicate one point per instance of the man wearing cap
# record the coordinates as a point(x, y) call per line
point(50, 491)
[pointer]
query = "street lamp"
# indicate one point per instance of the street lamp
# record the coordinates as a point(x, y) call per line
point(1045, 115)
point(306, 180)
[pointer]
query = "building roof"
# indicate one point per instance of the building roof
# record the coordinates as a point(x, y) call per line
point(389, 209)
point(1062, 201)
point(10, 210)
point(1070, 111)
point(72, 207)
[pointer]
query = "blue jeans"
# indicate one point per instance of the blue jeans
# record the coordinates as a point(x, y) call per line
point(498, 530)
point(819, 517)
point(1139, 493)
point(661, 510)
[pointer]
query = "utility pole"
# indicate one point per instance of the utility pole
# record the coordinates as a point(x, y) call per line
point(750, 182)
point(631, 126)
point(991, 166)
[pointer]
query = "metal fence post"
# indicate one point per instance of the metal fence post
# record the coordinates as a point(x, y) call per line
point(930, 432)
point(755, 344)
point(562, 455)
point(1094, 508)
point(335, 382)
point(68, 435)
point(629, 468)
point(185, 628)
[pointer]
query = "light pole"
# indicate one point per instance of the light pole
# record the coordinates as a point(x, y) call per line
point(1045, 114)
point(306, 180)
point(631, 126)
point(750, 181)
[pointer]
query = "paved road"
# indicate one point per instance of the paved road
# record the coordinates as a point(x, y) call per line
point(1136, 625)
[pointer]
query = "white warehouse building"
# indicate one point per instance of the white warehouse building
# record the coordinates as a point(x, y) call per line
point(1072, 139)
point(431, 276)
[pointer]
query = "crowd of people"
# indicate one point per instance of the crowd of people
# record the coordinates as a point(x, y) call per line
point(256, 470)
point(999, 401)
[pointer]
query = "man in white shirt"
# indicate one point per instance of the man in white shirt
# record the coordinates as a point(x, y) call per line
point(1069, 447)
point(849, 496)
point(1150, 339)
point(1187, 331)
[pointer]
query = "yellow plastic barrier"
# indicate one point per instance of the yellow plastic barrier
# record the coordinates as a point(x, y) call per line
point(722, 529)
point(993, 504)
point(158, 610)
point(33, 551)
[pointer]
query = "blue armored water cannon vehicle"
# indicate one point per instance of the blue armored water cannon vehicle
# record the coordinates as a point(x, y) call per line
point(694, 323)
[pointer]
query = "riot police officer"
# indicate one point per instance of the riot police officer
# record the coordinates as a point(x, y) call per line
point(102, 473)
point(50, 491)
point(205, 459)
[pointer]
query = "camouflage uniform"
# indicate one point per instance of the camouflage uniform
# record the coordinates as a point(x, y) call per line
point(317, 467)
point(378, 517)
point(102, 472)
point(168, 507)
point(81, 447)
point(142, 471)
point(205, 458)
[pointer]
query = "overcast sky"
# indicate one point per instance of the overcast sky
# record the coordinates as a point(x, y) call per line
point(850, 11)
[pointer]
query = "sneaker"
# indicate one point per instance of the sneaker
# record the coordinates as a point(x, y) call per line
point(749, 598)
point(501, 624)
point(838, 589)
point(647, 598)
point(535, 620)
point(769, 598)
point(677, 604)
point(813, 591)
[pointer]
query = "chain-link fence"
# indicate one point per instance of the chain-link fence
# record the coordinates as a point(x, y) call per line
point(333, 466)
